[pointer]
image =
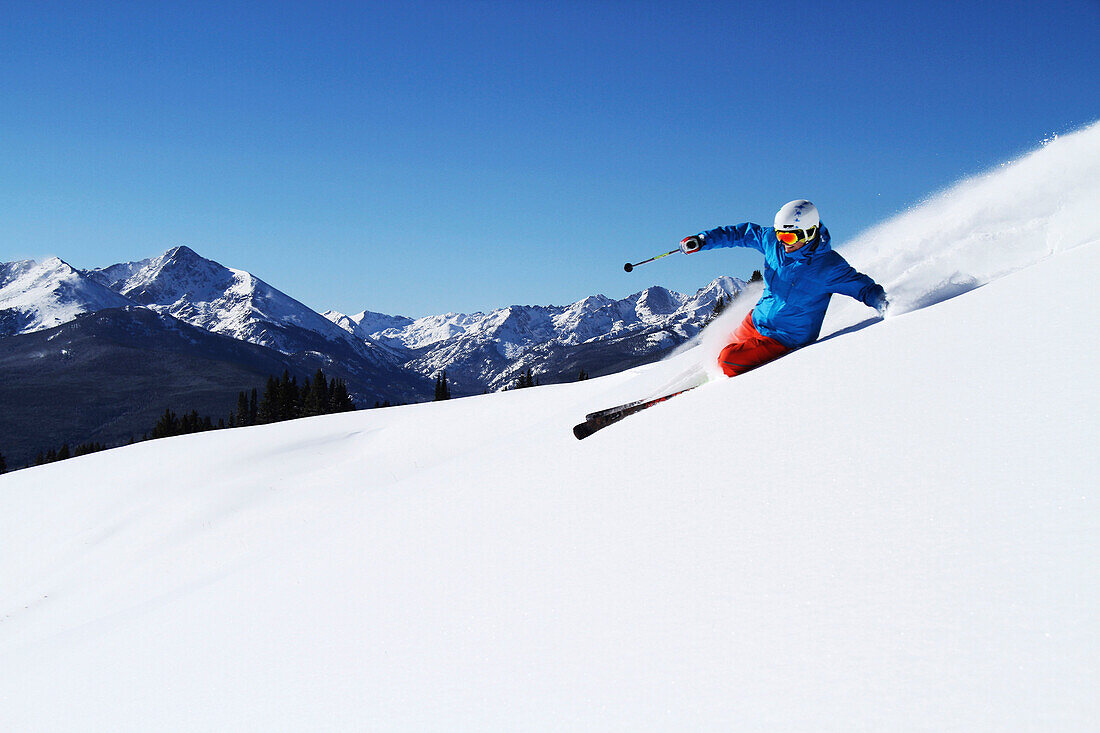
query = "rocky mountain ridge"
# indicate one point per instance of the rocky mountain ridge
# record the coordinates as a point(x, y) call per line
point(491, 349)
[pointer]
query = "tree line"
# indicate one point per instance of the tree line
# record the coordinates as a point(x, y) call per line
point(524, 380)
point(283, 398)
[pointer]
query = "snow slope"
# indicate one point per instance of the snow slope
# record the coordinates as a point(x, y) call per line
point(893, 529)
point(989, 226)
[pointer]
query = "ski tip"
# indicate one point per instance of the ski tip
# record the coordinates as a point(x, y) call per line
point(582, 430)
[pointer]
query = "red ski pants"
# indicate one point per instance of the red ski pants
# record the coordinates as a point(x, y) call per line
point(748, 350)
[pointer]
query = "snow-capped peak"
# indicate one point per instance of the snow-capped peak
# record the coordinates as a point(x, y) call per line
point(224, 300)
point(35, 296)
point(656, 302)
point(367, 322)
point(704, 300)
point(176, 275)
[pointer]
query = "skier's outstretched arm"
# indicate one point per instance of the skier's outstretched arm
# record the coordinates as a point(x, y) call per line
point(844, 279)
point(739, 235)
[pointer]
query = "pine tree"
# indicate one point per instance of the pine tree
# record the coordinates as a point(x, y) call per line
point(85, 448)
point(252, 408)
point(320, 392)
point(756, 277)
point(719, 306)
point(582, 376)
point(288, 397)
point(338, 398)
point(3, 464)
point(189, 423)
point(527, 379)
point(242, 408)
point(442, 390)
point(305, 399)
point(268, 410)
point(166, 426)
point(315, 395)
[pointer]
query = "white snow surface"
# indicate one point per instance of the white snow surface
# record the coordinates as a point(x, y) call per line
point(895, 528)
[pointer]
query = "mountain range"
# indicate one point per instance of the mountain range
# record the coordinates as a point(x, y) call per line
point(487, 351)
point(164, 325)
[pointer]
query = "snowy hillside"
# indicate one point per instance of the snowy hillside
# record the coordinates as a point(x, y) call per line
point(893, 529)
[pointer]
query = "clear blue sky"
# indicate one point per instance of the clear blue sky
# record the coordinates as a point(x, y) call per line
point(423, 157)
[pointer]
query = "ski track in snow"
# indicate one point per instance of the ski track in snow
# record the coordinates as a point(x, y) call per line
point(893, 529)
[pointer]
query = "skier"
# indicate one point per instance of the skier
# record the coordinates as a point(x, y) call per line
point(801, 273)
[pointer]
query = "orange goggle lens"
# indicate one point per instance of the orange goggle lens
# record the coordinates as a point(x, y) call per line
point(790, 236)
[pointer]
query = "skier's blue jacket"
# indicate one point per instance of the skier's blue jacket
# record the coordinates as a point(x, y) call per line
point(797, 285)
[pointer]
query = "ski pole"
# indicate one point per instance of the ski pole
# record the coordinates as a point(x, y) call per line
point(628, 267)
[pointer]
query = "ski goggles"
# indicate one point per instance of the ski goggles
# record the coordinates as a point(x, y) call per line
point(792, 236)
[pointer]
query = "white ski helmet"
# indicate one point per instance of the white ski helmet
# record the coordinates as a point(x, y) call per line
point(797, 214)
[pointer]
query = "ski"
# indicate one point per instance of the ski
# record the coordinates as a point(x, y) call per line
point(600, 419)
